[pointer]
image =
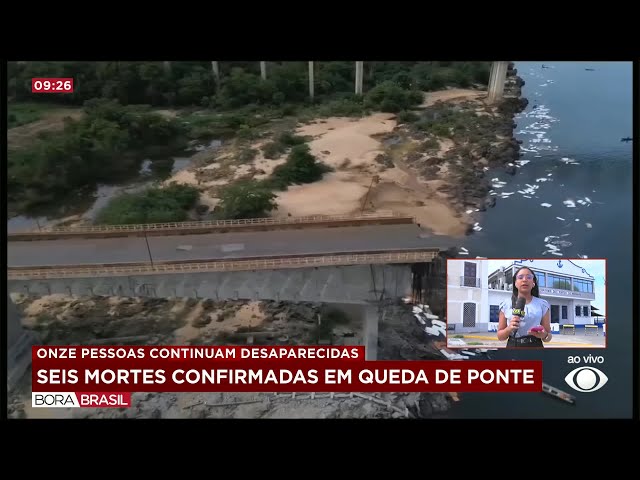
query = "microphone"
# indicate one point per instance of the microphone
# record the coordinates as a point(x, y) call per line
point(518, 310)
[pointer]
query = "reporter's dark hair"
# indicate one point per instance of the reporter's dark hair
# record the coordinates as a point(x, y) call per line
point(534, 291)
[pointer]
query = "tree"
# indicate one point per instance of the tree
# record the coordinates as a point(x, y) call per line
point(301, 167)
point(246, 199)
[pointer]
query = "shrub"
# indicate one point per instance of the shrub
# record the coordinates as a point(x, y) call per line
point(246, 199)
point(301, 167)
point(154, 205)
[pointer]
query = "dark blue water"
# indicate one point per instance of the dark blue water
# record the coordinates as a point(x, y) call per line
point(571, 130)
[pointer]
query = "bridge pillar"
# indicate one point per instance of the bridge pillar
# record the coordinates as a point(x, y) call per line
point(19, 342)
point(167, 66)
point(497, 79)
point(263, 70)
point(311, 80)
point(216, 70)
point(359, 77)
point(371, 317)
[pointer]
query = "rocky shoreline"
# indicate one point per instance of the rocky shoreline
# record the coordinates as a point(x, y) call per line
point(455, 143)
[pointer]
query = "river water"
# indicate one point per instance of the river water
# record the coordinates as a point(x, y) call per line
point(582, 171)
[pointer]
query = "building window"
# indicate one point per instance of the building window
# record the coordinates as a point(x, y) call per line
point(494, 313)
point(582, 286)
point(556, 281)
point(469, 315)
point(470, 271)
point(578, 310)
point(541, 279)
point(585, 311)
point(565, 312)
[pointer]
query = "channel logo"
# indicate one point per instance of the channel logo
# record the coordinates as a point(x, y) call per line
point(80, 400)
point(586, 379)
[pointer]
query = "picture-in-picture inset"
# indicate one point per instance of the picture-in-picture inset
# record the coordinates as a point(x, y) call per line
point(526, 303)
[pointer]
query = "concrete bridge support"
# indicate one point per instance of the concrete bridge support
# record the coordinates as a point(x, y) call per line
point(497, 79)
point(356, 284)
point(371, 319)
point(167, 66)
point(263, 70)
point(311, 81)
point(216, 70)
point(359, 77)
point(19, 342)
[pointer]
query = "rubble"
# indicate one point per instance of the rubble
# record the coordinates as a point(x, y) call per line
point(120, 321)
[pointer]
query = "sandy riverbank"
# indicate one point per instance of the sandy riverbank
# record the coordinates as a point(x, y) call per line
point(437, 186)
point(353, 148)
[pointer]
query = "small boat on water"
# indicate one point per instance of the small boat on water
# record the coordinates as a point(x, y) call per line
point(590, 69)
point(626, 139)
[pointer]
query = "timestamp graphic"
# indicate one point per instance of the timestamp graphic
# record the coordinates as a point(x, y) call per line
point(52, 85)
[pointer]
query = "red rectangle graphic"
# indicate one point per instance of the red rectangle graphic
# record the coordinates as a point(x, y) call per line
point(285, 376)
point(52, 85)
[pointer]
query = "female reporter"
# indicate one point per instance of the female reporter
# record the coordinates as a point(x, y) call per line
point(536, 313)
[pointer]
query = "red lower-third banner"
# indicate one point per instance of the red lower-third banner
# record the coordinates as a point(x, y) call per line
point(59, 373)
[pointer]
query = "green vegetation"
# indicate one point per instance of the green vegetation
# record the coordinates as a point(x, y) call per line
point(407, 117)
point(223, 125)
point(301, 167)
point(23, 113)
point(119, 127)
point(193, 83)
point(154, 205)
point(253, 199)
point(391, 97)
point(246, 199)
point(281, 144)
point(460, 125)
point(108, 143)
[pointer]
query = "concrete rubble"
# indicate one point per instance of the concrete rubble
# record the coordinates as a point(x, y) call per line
point(60, 319)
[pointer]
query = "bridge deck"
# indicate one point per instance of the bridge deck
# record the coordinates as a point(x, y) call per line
point(218, 246)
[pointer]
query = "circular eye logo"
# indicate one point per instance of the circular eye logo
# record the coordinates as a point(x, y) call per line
point(586, 379)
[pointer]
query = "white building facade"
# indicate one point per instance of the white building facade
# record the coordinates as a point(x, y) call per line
point(567, 286)
point(467, 295)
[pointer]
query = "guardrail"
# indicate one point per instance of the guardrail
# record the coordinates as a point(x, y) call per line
point(207, 226)
point(221, 266)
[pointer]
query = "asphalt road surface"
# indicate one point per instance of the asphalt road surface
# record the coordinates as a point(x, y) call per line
point(213, 246)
